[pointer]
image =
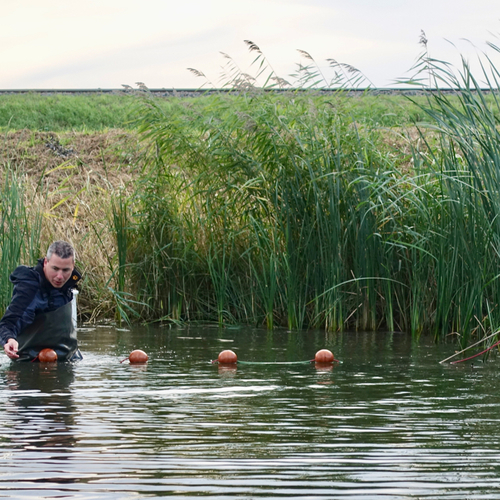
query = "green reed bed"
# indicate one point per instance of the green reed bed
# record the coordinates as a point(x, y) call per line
point(468, 170)
point(274, 220)
point(303, 210)
point(282, 210)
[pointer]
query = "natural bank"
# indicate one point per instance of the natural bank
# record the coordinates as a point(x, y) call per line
point(279, 210)
point(69, 179)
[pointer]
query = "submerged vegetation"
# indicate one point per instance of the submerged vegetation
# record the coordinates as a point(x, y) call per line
point(285, 209)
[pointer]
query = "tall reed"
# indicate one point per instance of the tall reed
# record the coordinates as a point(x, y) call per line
point(277, 198)
point(19, 231)
point(287, 210)
point(466, 164)
point(284, 211)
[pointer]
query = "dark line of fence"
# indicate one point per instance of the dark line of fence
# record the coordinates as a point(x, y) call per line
point(187, 92)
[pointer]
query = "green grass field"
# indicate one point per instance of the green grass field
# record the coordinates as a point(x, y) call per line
point(60, 112)
point(97, 112)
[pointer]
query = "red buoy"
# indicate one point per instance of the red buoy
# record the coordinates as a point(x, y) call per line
point(47, 356)
point(227, 357)
point(324, 356)
point(138, 356)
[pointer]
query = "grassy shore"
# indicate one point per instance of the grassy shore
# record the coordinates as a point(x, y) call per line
point(66, 112)
point(299, 210)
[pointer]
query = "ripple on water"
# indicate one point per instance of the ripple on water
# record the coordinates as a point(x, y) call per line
point(388, 424)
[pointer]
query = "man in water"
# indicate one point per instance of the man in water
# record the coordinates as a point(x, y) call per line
point(39, 314)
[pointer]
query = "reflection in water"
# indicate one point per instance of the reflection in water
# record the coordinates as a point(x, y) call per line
point(323, 367)
point(227, 370)
point(389, 423)
point(40, 408)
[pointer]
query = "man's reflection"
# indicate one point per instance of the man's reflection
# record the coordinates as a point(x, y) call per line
point(42, 406)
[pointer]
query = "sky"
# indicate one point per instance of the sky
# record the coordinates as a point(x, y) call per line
point(63, 44)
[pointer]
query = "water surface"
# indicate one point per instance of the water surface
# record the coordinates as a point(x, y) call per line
point(390, 422)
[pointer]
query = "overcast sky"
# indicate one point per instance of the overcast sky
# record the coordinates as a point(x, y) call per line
point(107, 43)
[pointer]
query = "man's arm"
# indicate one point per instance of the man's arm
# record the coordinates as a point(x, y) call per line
point(19, 313)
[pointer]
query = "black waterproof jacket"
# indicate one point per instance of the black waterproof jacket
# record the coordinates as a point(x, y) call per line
point(32, 296)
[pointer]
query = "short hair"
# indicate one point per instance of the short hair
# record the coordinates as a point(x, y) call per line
point(62, 249)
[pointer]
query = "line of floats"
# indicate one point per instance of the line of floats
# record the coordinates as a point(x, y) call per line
point(226, 357)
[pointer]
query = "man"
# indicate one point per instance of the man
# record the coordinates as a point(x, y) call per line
point(39, 314)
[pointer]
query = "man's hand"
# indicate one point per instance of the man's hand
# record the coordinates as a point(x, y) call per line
point(10, 348)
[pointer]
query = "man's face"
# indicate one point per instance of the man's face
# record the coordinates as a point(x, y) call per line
point(57, 270)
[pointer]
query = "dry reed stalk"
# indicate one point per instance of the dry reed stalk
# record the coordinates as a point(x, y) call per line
point(74, 196)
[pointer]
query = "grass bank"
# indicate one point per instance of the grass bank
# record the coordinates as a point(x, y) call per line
point(59, 186)
point(64, 112)
point(100, 112)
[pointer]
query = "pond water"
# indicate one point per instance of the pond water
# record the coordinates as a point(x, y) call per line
point(389, 422)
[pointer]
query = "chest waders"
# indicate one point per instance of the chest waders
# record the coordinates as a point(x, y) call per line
point(55, 330)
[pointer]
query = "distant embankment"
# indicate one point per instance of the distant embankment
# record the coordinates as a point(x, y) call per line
point(185, 92)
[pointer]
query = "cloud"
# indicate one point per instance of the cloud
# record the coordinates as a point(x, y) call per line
point(105, 43)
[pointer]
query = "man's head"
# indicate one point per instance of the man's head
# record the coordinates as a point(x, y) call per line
point(59, 263)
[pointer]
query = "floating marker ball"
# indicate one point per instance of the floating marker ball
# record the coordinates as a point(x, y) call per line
point(47, 356)
point(138, 356)
point(324, 356)
point(227, 357)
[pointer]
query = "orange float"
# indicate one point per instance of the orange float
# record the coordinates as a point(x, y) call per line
point(227, 357)
point(138, 356)
point(47, 356)
point(324, 356)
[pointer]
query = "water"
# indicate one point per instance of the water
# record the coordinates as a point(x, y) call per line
point(390, 422)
